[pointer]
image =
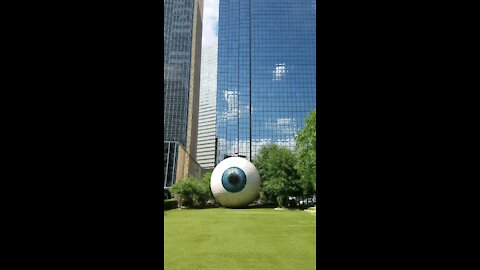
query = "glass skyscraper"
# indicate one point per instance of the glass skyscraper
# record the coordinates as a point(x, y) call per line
point(182, 47)
point(266, 73)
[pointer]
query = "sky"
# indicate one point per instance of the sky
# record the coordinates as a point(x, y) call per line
point(210, 22)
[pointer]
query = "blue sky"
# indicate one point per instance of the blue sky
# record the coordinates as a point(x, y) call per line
point(210, 22)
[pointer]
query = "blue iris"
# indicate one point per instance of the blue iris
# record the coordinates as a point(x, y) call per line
point(234, 179)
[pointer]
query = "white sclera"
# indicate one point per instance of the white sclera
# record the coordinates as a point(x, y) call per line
point(243, 197)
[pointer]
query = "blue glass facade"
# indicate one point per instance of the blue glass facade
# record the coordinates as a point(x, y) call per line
point(266, 73)
point(178, 26)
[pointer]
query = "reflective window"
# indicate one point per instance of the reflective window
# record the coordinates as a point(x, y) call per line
point(177, 50)
point(177, 33)
point(266, 73)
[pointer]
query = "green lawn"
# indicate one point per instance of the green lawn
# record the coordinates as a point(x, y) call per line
point(230, 239)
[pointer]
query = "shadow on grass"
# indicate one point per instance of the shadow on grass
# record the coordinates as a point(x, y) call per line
point(272, 206)
point(266, 205)
point(251, 206)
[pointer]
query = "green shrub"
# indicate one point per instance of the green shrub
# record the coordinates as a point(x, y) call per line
point(186, 191)
point(169, 204)
point(276, 166)
point(203, 193)
point(281, 201)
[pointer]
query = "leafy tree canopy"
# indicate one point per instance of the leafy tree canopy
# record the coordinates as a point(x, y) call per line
point(190, 189)
point(276, 166)
point(306, 154)
point(185, 187)
point(204, 187)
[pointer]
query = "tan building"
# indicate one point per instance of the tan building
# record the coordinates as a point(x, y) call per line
point(187, 166)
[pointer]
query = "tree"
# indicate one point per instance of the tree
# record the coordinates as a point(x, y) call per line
point(185, 190)
point(280, 179)
point(190, 191)
point(204, 192)
point(306, 154)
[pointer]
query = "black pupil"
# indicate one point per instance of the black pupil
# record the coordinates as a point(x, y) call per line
point(233, 178)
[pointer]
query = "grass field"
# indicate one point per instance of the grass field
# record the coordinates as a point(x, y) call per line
point(221, 238)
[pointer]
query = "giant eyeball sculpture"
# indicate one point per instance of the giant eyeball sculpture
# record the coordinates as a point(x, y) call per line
point(235, 182)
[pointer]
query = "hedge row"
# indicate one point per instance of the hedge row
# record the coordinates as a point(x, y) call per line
point(169, 204)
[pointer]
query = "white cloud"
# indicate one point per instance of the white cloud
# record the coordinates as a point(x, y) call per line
point(233, 107)
point(243, 147)
point(285, 121)
point(257, 144)
point(286, 126)
point(210, 22)
point(279, 71)
point(229, 96)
